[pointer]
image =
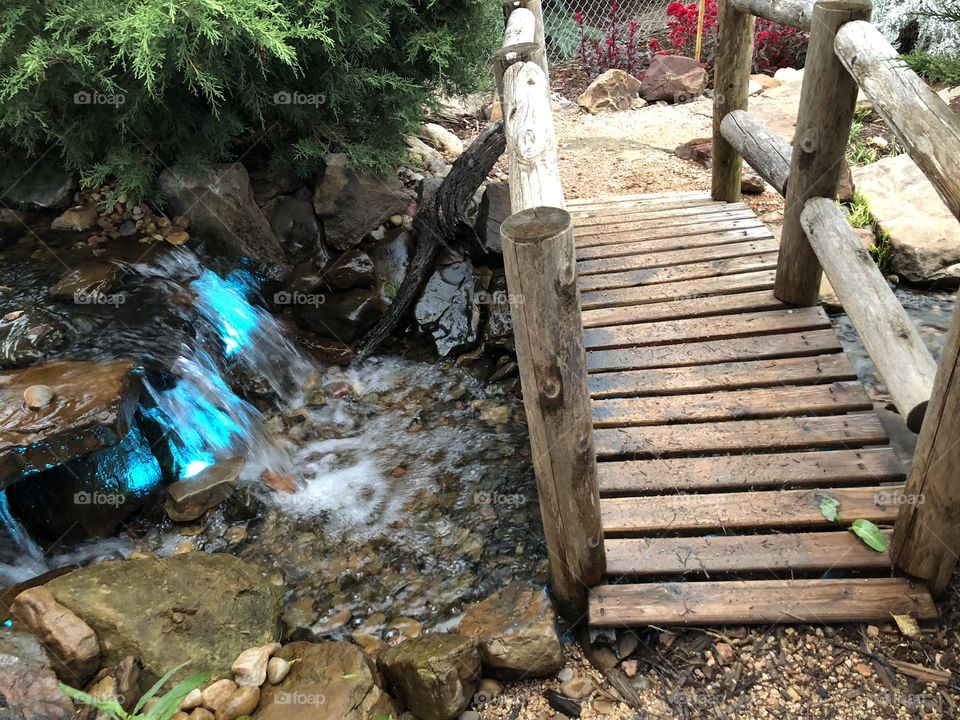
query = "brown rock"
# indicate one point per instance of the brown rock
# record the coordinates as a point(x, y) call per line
point(699, 150)
point(201, 714)
point(87, 282)
point(330, 680)
point(673, 78)
point(217, 695)
point(242, 702)
point(191, 497)
point(516, 631)
point(250, 667)
point(71, 643)
point(612, 91)
point(277, 670)
point(38, 396)
point(76, 219)
point(435, 674)
point(28, 685)
point(120, 683)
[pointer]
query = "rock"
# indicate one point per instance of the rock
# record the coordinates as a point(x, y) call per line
point(402, 628)
point(46, 185)
point(71, 643)
point(494, 208)
point(578, 687)
point(699, 150)
point(28, 685)
point(442, 139)
point(498, 332)
point(329, 680)
point(924, 235)
point(611, 91)
point(277, 670)
point(435, 674)
point(345, 316)
point(846, 188)
point(88, 496)
point(630, 668)
point(788, 75)
point(177, 238)
point(218, 201)
point(766, 82)
point(752, 184)
point(193, 700)
point(76, 219)
point(495, 112)
point(208, 608)
point(190, 498)
point(352, 204)
point(754, 88)
point(242, 702)
point(565, 674)
point(250, 667)
point(119, 684)
point(36, 397)
point(673, 78)
point(349, 270)
point(217, 695)
point(28, 336)
point(272, 181)
point(422, 156)
point(391, 258)
point(447, 310)
point(296, 227)
point(516, 630)
point(87, 283)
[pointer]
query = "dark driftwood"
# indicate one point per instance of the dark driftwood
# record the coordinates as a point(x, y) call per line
point(440, 222)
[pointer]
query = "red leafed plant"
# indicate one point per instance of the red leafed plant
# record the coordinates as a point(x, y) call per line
point(617, 49)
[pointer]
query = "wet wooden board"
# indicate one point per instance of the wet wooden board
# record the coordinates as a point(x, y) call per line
point(676, 273)
point(621, 265)
point(794, 552)
point(755, 510)
point(684, 308)
point(740, 436)
point(823, 468)
point(753, 403)
point(812, 342)
point(768, 322)
point(686, 242)
point(678, 227)
point(759, 601)
point(684, 290)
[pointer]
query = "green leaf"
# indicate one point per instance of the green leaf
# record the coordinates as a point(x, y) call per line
point(170, 703)
point(156, 687)
point(871, 535)
point(829, 507)
point(112, 707)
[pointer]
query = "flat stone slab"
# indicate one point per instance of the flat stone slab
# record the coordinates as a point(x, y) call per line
point(91, 409)
point(924, 235)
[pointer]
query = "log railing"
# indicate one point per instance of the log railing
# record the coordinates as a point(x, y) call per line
point(540, 262)
point(847, 53)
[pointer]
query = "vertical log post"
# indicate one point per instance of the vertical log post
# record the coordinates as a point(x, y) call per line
point(540, 36)
point(926, 538)
point(827, 102)
point(731, 88)
point(541, 268)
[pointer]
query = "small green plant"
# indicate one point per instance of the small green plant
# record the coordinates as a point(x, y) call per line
point(936, 69)
point(165, 708)
point(860, 215)
point(858, 151)
point(881, 251)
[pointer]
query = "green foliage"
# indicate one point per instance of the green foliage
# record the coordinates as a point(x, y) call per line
point(166, 707)
point(829, 506)
point(120, 89)
point(870, 534)
point(860, 215)
point(937, 69)
point(858, 151)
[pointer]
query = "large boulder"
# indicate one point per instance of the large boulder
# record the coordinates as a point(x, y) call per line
point(87, 283)
point(28, 685)
point(924, 235)
point(72, 644)
point(495, 207)
point(218, 201)
point(673, 78)
point(296, 227)
point(351, 204)
point(435, 674)
point(328, 680)
point(516, 631)
point(447, 309)
point(45, 185)
point(612, 91)
point(203, 608)
point(344, 316)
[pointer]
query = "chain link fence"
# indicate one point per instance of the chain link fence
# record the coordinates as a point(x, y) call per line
point(563, 31)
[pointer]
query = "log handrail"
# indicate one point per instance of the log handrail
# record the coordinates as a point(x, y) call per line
point(926, 543)
point(539, 258)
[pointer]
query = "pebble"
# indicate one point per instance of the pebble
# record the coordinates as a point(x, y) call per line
point(577, 688)
point(180, 715)
point(250, 667)
point(11, 316)
point(183, 548)
point(216, 696)
point(235, 534)
point(277, 670)
point(604, 707)
point(243, 702)
point(38, 396)
point(201, 714)
point(469, 715)
point(178, 238)
point(565, 675)
point(873, 631)
point(396, 220)
point(630, 668)
point(193, 700)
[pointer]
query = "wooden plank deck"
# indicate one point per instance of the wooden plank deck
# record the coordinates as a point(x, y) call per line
point(722, 417)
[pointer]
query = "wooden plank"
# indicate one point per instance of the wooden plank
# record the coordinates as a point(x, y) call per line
point(759, 601)
point(584, 212)
point(721, 376)
point(577, 203)
point(675, 257)
point(699, 329)
point(754, 510)
point(683, 290)
point(690, 307)
point(678, 273)
point(684, 242)
point(602, 219)
point(824, 468)
point(677, 227)
point(749, 404)
point(794, 552)
point(813, 342)
point(846, 431)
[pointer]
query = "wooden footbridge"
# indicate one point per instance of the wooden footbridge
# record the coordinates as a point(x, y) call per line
point(690, 406)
